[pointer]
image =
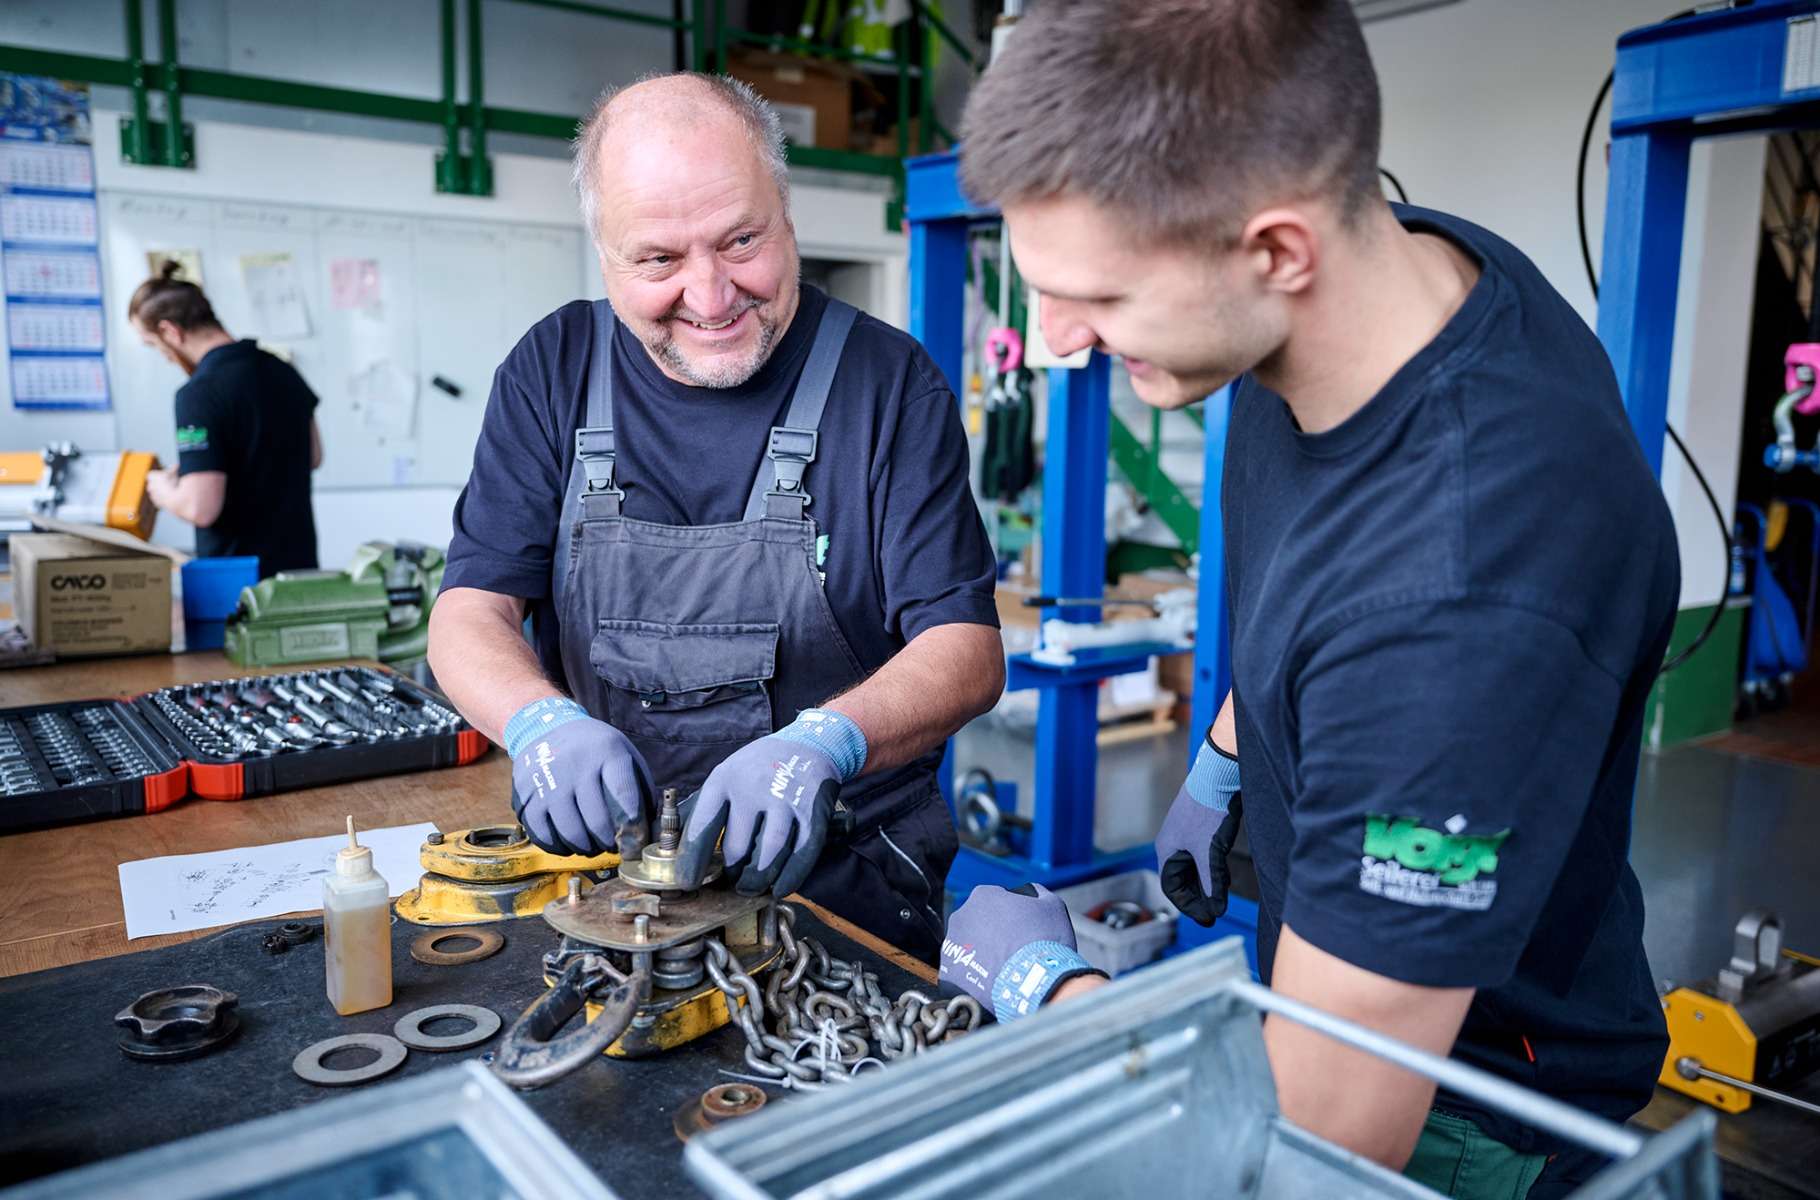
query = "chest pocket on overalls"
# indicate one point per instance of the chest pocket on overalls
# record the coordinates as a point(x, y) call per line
point(702, 685)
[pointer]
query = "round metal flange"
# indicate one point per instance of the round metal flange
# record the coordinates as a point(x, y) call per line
point(308, 1063)
point(296, 933)
point(424, 947)
point(177, 1023)
point(409, 1029)
point(721, 1103)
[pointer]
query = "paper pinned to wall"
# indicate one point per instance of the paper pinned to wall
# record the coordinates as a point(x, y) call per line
point(385, 395)
point(189, 264)
point(276, 294)
point(354, 283)
point(182, 892)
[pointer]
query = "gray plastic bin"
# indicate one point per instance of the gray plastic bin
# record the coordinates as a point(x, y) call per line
point(1116, 951)
point(1155, 1085)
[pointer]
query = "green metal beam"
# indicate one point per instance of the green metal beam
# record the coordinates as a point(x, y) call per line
point(177, 152)
point(24, 60)
point(948, 35)
point(256, 89)
point(480, 168)
point(136, 137)
point(1142, 470)
point(614, 14)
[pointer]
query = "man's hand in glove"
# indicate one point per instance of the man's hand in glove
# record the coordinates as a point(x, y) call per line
point(1198, 833)
point(578, 785)
point(773, 799)
point(1011, 950)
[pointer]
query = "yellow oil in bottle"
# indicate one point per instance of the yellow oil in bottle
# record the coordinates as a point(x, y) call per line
point(357, 931)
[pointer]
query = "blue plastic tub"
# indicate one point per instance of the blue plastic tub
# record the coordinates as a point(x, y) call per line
point(211, 592)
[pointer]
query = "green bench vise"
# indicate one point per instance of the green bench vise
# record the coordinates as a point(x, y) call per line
point(377, 609)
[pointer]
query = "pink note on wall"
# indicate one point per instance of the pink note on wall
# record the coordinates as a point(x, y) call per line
point(354, 283)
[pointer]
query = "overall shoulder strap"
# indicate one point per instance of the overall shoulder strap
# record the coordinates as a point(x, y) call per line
point(593, 490)
point(778, 490)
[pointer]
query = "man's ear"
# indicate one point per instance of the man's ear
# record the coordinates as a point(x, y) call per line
point(1283, 250)
point(169, 333)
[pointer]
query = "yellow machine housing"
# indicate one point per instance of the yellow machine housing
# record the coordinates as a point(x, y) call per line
point(492, 873)
point(106, 489)
point(1758, 1021)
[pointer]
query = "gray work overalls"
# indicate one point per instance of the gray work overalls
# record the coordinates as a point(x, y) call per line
point(695, 640)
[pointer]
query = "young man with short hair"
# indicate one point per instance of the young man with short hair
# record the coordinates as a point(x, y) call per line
point(246, 433)
point(1452, 574)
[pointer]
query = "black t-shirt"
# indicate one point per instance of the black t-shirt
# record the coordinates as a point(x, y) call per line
point(906, 550)
point(248, 413)
point(1447, 614)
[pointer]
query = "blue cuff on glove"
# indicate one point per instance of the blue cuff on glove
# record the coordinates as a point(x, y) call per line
point(539, 717)
point(832, 734)
point(1029, 975)
point(1213, 778)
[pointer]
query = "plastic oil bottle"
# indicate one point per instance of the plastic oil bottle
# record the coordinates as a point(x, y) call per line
point(357, 931)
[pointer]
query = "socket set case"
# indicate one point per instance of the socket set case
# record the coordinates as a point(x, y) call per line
point(224, 740)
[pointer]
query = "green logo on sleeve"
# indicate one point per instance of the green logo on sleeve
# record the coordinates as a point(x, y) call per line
point(192, 437)
point(1406, 861)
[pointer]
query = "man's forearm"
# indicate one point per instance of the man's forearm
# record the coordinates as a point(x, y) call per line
point(944, 678)
point(481, 659)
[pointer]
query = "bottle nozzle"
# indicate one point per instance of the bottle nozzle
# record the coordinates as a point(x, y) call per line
point(352, 844)
point(353, 859)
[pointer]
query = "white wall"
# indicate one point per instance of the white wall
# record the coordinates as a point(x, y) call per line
point(535, 59)
point(1484, 104)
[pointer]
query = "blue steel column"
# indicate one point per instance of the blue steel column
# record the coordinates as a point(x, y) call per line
point(1644, 211)
point(1074, 564)
point(1212, 637)
point(938, 293)
point(938, 304)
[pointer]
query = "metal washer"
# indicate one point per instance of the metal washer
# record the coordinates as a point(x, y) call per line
point(409, 1029)
point(424, 950)
point(308, 1063)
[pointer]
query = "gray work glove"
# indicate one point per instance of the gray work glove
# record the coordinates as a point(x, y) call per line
point(1010, 949)
point(579, 786)
point(1197, 836)
point(773, 798)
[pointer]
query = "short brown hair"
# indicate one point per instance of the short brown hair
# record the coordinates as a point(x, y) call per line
point(1178, 113)
point(164, 297)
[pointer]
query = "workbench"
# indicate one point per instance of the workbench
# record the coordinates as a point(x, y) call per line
point(69, 1095)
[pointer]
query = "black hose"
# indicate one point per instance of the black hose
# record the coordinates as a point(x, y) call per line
point(1592, 278)
point(1395, 183)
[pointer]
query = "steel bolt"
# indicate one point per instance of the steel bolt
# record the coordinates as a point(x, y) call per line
point(574, 890)
point(641, 927)
point(435, 839)
point(669, 824)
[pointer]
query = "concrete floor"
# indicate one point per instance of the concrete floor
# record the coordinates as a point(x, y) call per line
point(1716, 833)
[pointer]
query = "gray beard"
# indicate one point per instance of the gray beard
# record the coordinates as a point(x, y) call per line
point(727, 375)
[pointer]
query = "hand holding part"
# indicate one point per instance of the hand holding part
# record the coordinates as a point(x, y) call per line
point(579, 786)
point(773, 799)
point(1011, 949)
point(1197, 836)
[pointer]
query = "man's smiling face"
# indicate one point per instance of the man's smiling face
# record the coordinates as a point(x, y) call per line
point(696, 246)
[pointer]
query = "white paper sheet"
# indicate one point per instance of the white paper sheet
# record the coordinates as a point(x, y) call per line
point(276, 294)
point(182, 892)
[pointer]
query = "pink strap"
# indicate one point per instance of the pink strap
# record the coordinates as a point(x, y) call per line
point(1801, 354)
point(1005, 350)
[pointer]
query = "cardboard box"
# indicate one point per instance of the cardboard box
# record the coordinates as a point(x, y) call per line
point(813, 99)
point(81, 597)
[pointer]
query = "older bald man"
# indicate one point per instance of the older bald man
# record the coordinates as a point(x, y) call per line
point(737, 513)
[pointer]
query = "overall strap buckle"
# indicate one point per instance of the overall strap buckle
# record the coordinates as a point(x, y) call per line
point(791, 452)
point(594, 450)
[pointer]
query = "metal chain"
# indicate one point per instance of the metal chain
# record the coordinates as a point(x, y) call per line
point(820, 1020)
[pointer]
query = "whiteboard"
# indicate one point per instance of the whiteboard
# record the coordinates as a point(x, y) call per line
point(432, 297)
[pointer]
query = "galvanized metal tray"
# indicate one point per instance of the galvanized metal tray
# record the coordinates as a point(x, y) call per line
point(1156, 1079)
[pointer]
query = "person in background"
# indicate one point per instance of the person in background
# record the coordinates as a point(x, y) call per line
point(247, 438)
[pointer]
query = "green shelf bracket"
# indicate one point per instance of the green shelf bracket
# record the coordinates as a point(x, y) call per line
point(463, 175)
point(154, 149)
point(1144, 472)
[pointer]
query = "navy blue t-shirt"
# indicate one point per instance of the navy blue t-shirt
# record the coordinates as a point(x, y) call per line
point(1447, 614)
point(907, 550)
